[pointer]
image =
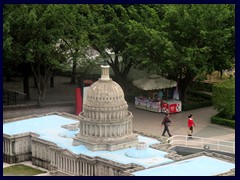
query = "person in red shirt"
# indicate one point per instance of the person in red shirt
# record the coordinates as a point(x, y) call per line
point(190, 124)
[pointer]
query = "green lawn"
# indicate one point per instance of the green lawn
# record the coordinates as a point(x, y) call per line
point(21, 170)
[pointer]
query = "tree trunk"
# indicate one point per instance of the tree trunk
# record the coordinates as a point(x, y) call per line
point(183, 84)
point(74, 71)
point(52, 81)
point(26, 81)
point(42, 75)
point(121, 71)
point(8, 75)
point(35, 81)
point(121, 76)
point(221, 73)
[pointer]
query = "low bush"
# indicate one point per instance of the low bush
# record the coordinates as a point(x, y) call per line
point(201, 86)
point(196, 99)
point(201, 94)
point(223, 121)
point(195, 105)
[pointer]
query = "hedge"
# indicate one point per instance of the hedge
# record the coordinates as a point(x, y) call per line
point(195, 105)
point(224, 97)
point(199, 93)
point(201, 86)
point(222, 121)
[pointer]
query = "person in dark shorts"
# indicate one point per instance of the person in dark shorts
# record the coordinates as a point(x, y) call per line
point(166, 122)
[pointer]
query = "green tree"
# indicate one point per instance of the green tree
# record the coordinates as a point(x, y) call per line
point(115, 27)
point(149, 42)
point(15, 41)
point(194, 31)
point(35, 31)
point(220, 37)
point(75, 40)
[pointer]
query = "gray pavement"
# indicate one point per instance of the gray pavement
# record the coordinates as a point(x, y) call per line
point(150, 122)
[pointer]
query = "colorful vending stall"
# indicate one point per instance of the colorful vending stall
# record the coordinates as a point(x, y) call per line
point(147, 104)
point(141, 102)
point(154, 106)
point(162, 95)
point(171, 106)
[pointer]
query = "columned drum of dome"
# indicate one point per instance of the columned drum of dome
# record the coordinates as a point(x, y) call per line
point(105, 123)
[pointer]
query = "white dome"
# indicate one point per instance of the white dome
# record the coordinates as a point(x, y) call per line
point(105, 102)
point(105, 123)
point(105, 93)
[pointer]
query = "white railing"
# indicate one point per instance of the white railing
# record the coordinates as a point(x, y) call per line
point(200, 142)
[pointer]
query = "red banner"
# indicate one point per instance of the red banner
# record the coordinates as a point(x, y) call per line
point(78, 101)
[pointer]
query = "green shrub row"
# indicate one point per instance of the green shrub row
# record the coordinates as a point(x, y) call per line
point(201, 86)
point(198, 93)
point(195, 105)
point(222, 121)
point(224, 97)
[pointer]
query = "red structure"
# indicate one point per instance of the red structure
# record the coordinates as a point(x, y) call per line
point(171, 106)
point(78, 100)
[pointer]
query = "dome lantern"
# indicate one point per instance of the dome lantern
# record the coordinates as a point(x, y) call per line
point(105, 72)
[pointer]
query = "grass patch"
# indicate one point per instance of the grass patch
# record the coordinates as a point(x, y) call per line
point(21, 170)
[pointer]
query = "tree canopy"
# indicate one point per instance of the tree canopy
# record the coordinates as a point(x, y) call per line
point(176, 41)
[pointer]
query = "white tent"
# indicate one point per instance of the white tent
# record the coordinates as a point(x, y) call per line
point(154, 82)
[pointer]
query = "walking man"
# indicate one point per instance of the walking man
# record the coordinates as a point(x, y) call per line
point(166, 122)
point(190, 124)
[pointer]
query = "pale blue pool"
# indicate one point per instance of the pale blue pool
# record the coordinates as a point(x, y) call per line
point(49, 128)
point(198, 166)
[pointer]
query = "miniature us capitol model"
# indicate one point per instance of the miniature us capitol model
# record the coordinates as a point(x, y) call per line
point(106, 123)
point(98, 142)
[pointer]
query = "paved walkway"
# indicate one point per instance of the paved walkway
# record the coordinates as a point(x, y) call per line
point(150, 122)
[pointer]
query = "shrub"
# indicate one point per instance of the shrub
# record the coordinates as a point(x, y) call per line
point(224, 97)
point(197, 93)
point(200, 86)
point(223, 121)
point(195, 105)
point(196, 100)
